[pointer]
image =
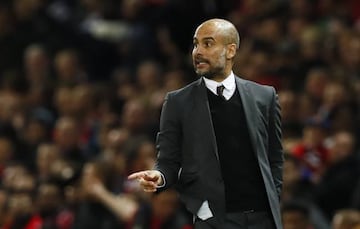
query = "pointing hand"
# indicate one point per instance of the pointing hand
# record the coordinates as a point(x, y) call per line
point(149, 180)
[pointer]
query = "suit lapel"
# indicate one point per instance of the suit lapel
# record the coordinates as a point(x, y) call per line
point(250, 110)
point(201, 105)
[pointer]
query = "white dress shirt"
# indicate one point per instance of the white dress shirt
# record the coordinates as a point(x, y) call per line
point(228, 83)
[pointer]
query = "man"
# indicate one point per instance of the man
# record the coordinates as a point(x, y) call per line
point(220, 140)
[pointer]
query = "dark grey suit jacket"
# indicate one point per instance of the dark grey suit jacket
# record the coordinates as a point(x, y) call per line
point(187, 151)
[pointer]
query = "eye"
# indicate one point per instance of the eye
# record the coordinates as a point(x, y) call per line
point(207, 44)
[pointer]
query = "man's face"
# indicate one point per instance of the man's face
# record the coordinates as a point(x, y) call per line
point(209, 52)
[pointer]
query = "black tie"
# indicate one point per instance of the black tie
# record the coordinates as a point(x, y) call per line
point(220, 90)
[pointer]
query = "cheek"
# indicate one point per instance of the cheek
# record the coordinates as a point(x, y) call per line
point(223, 54)
point(218, 54)
point(218, 58)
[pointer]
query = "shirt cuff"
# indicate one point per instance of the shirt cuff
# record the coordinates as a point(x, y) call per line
point(163, 179)
point(204, 211)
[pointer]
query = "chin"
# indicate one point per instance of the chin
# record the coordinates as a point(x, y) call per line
point(199, 73)
point(203, 74)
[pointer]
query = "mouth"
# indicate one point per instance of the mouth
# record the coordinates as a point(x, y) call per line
point(199, 63)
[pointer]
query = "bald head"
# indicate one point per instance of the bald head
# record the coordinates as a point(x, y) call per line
point(225, 28)
point(215, 43)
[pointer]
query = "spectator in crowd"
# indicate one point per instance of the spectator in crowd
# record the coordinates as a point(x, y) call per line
point(90, 213)
point(6, 153)
point(311, 98)
point(295, 185)
point(35, 130)
point(312, 151)
point(291, 124)
point(336, 107)
point(49, 202)
point(337, 185)
point(346, 219)
point(46, 156)
point(67, 139)
point(62, 101)
point(161, 213)
point(68, 68)
point(296, 215)
point(37, 74)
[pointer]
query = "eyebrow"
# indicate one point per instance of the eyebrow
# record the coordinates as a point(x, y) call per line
point(204, 39)
point(208, 38)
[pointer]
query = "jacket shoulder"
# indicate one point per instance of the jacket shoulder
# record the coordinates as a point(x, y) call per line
point(256, 87)
point(186, 90)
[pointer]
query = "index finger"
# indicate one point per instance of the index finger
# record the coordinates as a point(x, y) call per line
point(137, 175)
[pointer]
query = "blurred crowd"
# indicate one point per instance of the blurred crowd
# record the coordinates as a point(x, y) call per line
point(82, 84)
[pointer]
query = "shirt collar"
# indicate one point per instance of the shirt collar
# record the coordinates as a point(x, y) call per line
point(228, 82)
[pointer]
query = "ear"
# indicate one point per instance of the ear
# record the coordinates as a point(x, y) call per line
point(231, 51)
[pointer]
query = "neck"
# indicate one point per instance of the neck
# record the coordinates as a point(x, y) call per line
point(219, 79)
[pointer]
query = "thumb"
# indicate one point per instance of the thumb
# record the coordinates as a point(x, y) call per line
point(151, 176)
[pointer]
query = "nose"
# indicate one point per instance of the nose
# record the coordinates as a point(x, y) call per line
point(197, 51)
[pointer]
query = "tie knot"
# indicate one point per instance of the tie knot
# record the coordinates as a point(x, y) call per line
point(220, 90)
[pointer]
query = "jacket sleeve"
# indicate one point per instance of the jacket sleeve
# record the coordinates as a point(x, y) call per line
point(168, 142)
point(276, 157)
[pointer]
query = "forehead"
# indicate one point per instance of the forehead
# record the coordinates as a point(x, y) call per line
point(208, 30)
